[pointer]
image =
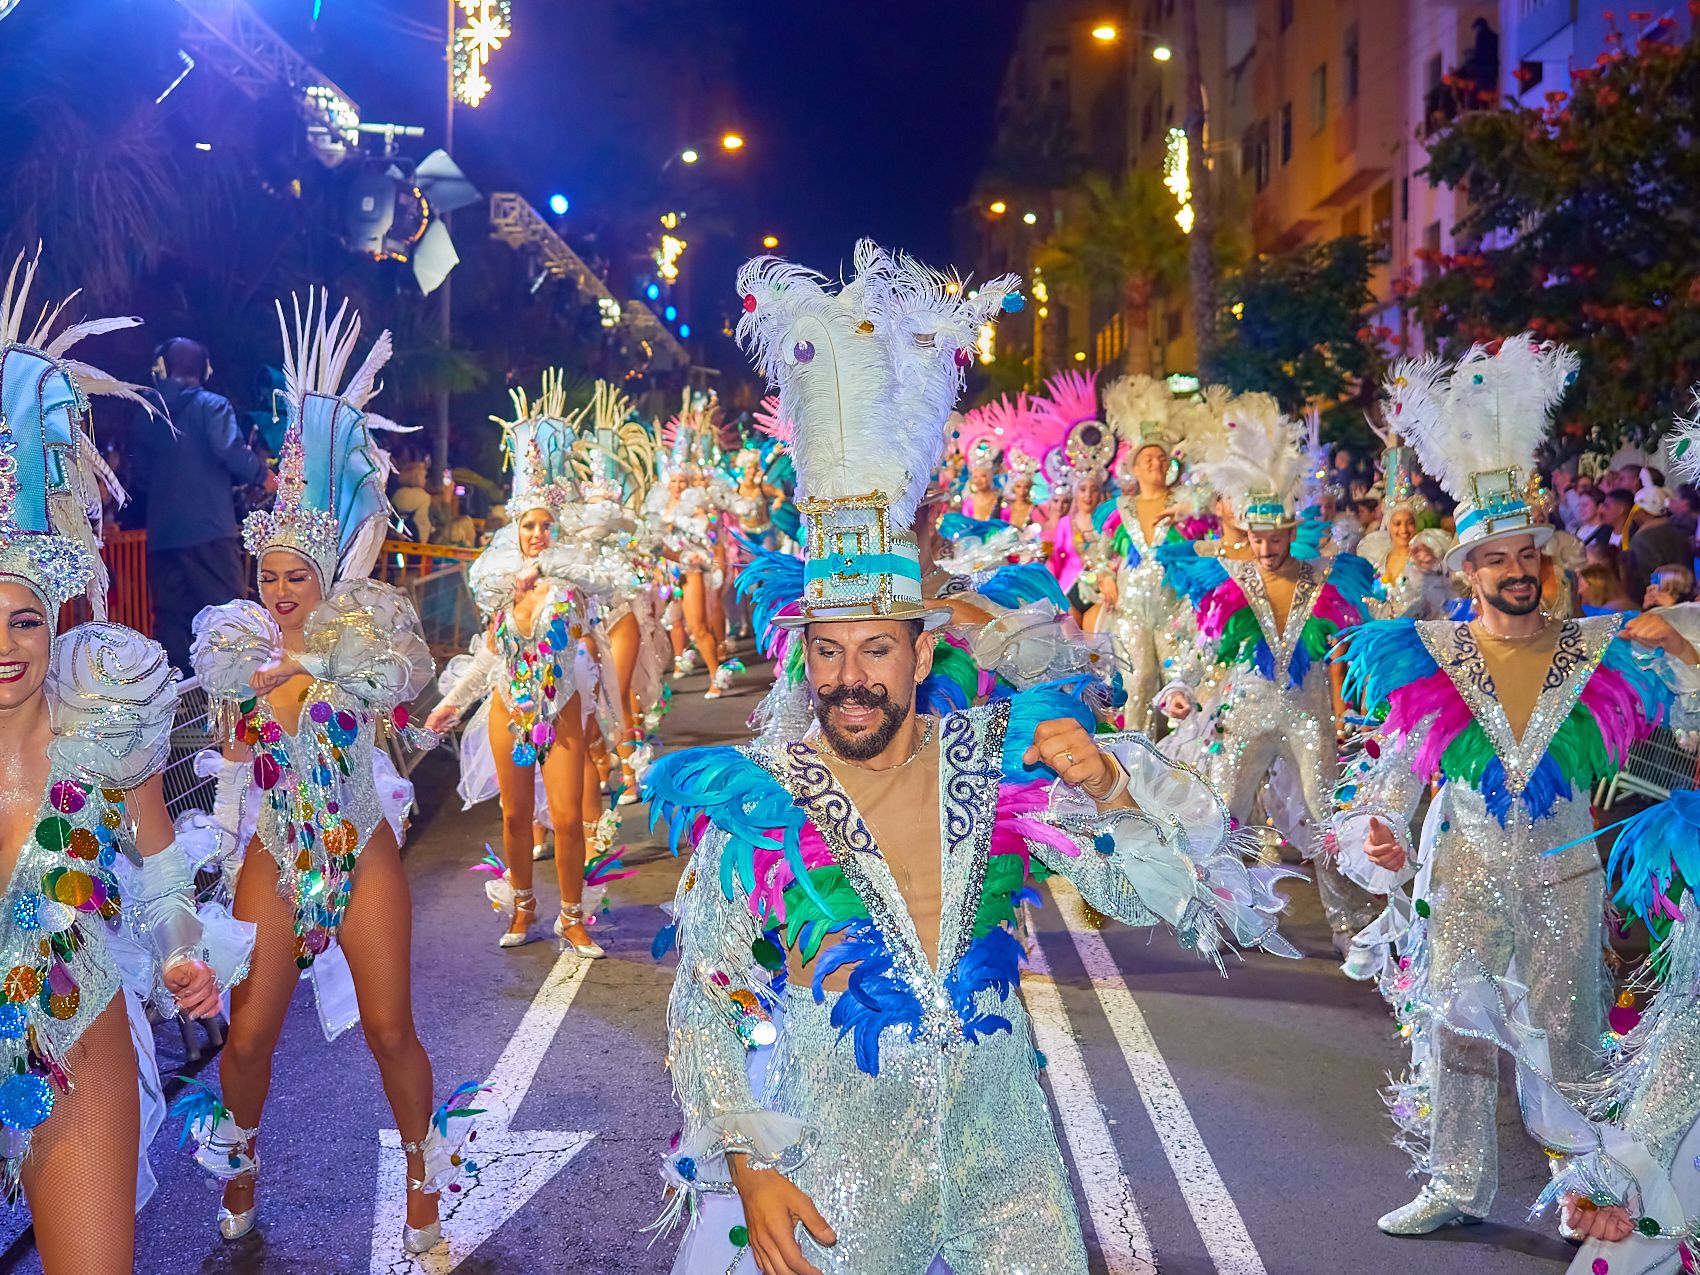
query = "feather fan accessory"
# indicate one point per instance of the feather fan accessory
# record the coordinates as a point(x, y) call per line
point(994, 429)
point(331, 507)
point(867, 374)
point(1476, 429)
point(51, 473)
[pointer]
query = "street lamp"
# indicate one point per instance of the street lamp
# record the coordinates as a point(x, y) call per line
point(689, 156)
point(1031, 218)
point(1106, 33)
point(732, 142)
point(1162, 53)
point(770, 241)
point(997, 208)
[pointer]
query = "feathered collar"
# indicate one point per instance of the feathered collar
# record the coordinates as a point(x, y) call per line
point(1595, 704)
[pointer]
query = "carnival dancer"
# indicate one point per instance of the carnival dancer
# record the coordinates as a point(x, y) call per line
point(910, 1016)
point(535, 676)
point(1267, 623)
point(982, 435)
point(616, 454)
point(1411, 580)
point(1141, 612)
point(685, 510)
point(85, 721)
point(1020, 507)
point(1080, 465)
point(305, 683)
point(1518, 716)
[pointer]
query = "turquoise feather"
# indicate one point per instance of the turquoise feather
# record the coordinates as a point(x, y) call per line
point(1187, 573)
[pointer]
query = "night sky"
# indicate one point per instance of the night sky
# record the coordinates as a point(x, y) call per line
point(861, 118)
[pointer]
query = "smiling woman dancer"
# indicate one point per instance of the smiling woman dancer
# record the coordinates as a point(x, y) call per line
point(85, 717)
point(305, 684)
point(528, 669)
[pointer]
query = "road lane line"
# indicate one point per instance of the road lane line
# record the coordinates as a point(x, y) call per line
point(1116, 1219)
point(1213, 1209)
point(514, 1071)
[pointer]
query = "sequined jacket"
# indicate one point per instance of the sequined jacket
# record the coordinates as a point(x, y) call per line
point(877, 1100)
point(368, 659)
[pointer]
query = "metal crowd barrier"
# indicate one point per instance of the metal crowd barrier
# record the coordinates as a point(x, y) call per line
point(1659, 765)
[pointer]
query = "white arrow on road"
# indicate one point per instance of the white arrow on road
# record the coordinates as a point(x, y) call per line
point(513, 1165)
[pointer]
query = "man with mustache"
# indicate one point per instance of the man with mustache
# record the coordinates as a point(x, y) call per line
point(855, 1073)
point(1517, 716)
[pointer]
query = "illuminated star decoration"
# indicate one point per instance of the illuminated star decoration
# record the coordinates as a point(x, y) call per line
point(486, 26)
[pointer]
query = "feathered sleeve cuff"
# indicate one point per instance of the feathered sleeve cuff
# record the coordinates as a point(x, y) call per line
point(364, 638)
point(111, 694)
point(232, 643)
point(466, 679)
point(1173, 858)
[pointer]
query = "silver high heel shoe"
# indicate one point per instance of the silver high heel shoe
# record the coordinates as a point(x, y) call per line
point(416, 1240)
point(524, 901)
point(233, 1226)
point(573, 914)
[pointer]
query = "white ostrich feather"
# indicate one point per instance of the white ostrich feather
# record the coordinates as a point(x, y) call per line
point(1683, 445)
point(1130, 402)
point(1263, 451)
point(1412, 398)
point(869, 402)
point(1495, 411)
point(14, 306)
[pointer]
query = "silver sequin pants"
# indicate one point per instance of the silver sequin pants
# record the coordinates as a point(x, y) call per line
point(1498, 904)
point(945, 1153)
point(1264, 725)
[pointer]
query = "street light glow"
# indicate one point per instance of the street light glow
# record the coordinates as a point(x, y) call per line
point(1162, 53)
point(1031, 218)
point(732, 142)
point(770, 241)
point(1080, 356)
point(997, 208)
point(689, 156)
point(1105, 33)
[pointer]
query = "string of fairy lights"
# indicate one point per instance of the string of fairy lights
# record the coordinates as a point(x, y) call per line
point(479, 32)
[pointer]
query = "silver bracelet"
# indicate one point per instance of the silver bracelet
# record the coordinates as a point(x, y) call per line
point(1117, 788)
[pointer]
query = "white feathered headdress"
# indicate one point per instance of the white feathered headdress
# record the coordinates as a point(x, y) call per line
point(1261, 466)
point(867, 374)
point(1476, 428)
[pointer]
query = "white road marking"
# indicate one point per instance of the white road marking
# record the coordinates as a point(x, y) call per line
point(1115, 1215)
point(513, 1165)
point(1213, 1210)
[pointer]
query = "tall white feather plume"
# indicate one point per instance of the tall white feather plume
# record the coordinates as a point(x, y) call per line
point(1412, 398)
point(1263, 451)
point(1137, 406)
point(867, 373)
point(1683, 446)
point(1495, 411)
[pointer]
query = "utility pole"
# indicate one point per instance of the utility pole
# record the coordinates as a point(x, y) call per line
point(1201, 257)
point(445, 323)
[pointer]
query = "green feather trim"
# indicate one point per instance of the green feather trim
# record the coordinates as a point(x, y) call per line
point(956, 664)
point(794, 665)
point(1467, 756)
point(1239, 634)
point(1317, 637)
point(1004, 876)
point(840, 900)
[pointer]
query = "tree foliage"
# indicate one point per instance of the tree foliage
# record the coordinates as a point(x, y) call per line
point(1583, 220)
point(1294, 326)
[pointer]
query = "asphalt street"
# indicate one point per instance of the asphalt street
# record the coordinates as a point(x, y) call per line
point(1213, 1124)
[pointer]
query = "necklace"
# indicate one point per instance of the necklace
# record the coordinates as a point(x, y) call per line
point(821, 745)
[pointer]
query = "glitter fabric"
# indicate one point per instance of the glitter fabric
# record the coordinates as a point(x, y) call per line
point(1263, 720)
point(319, 803)
point(1487, 899)
point(1143, 619)
point(945, 1146)
point(111, 695)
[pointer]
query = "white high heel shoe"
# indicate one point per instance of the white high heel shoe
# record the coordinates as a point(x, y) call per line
point(524, 901)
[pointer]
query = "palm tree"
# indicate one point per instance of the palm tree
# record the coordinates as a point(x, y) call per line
point(1119, 242)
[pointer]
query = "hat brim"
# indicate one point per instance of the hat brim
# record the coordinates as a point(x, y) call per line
point(931, 617)
point(1459, 552)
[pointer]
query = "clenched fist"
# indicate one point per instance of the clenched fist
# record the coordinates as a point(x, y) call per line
point(1067, 748)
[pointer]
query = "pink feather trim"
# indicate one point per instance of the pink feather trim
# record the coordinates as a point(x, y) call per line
point(1220, 603)
point(1435, 696)
point(1331, 605)
point(1618, 711)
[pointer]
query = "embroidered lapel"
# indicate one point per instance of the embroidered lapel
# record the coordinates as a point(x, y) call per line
point(970, 753)
point(1282, 642)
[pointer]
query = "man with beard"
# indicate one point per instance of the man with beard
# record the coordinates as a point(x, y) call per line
point(1265, 623)
point(853, 1067)
point(1517, 716)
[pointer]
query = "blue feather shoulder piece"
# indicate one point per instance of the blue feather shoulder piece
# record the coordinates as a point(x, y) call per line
point(769, 582)
point(1649, 687)
point(1019, 583)
point(738, 797)
point(1353, 576)
point(954, 526)
point(1656, 857)
point(1380, 657)
point(1188, 572)
point(1309, 537)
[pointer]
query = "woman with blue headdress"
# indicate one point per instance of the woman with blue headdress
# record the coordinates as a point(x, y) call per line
point(85, 724)
point(535, 669)
point(304, 684)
